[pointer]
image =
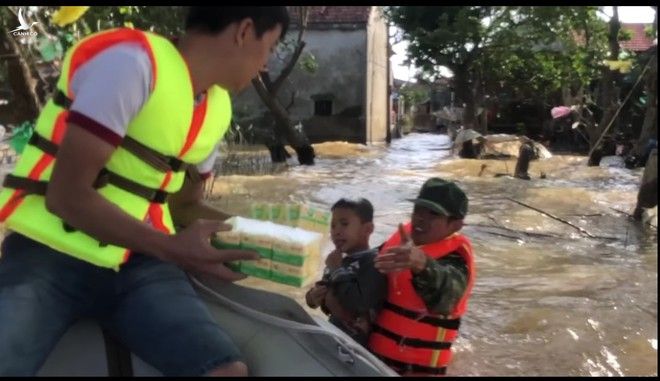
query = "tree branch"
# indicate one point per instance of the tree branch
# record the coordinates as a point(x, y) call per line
point(303, 16)
point(292, 101)
point(266, 81)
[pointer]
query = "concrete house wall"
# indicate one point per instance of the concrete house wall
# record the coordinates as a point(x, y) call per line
point(378, 78)
point(352, 75)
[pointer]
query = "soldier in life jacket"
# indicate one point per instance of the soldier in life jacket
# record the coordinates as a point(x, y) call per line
point(117, 158)
point(430, 271)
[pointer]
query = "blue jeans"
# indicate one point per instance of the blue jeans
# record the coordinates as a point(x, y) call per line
point(149, 305)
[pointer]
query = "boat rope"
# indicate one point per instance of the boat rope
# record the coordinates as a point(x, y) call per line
point(349, 347)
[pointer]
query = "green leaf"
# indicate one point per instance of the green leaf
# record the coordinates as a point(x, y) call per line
point(308, 63)
point(20, 136)
point(49, 49)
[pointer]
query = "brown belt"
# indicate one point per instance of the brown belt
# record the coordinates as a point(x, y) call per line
point(150, 156)
point(104, 178)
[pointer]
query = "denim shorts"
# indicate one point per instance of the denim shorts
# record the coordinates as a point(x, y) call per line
point(149, 305)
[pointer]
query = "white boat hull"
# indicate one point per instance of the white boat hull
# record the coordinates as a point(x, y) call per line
point(269, 349)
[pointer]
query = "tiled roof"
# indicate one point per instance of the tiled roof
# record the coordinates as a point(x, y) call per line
point(333, 14)
point(639, 41)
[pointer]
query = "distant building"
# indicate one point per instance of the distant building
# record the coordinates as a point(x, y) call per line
point(347, 97)
point(639, 41)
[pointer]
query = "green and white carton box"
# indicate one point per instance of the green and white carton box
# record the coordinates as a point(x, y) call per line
point(288, 255)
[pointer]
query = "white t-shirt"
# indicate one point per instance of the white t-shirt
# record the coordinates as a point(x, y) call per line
point(110, 89)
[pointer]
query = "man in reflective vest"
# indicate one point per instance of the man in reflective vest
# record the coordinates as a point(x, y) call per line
point(118, 158)
point(430, 273)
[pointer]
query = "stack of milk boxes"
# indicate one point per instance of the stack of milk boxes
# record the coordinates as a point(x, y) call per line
point(288, 238)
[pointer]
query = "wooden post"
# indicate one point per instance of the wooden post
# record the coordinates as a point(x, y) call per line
point(525, 155)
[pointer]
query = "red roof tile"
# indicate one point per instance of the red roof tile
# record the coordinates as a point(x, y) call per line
point(333, 14)
point(639, 41)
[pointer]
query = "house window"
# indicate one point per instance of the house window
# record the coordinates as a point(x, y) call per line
point(323, 107)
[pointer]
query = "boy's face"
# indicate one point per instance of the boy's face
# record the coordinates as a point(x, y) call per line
point(429, 226)
point(349, 234)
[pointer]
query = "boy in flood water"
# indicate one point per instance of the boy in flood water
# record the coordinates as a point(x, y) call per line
point(351, 290)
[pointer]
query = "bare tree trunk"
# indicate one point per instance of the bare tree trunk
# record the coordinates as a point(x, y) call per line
point(284, 129)
point(610, 85)
point(465, 92)
point(25, 104)
point(650, 126)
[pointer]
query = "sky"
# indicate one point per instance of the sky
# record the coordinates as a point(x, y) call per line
point(627, 14)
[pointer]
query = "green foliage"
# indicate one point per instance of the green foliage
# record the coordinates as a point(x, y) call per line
point(168, 21)
point(308, 63)
point(624, 35)
point(443, 35)
point(50, 49)
point(20, 136)
point(414, 95)
point(527, 52)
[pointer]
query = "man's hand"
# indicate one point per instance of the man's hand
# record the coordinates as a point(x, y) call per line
point(402, 257)
point(191, 249)
point(188, 205)
point(333, 260)
point(315, 296)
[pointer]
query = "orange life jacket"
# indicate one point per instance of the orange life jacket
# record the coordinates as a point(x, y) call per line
point(408, 337)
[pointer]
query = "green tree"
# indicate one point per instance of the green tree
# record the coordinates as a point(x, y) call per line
point(33, 62)
point(413, 94)
point(545, 55)
point(451, 36)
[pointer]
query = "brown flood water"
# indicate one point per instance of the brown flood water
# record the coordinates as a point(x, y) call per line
point(548, 301)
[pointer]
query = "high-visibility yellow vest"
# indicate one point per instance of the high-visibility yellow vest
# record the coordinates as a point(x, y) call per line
point(169, 123)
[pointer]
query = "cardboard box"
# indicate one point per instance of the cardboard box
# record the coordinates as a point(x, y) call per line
point(227, 240)
point(260, 211)
point(314, 219)
point(259, 243)
point(260, 268)
point(278, 213)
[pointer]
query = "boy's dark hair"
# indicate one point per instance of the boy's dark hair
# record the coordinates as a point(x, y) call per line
point(362, 207)
point(215, 19)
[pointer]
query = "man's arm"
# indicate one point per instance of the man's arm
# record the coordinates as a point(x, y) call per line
point(188, 205)
point(72, 197)
point(441, 283)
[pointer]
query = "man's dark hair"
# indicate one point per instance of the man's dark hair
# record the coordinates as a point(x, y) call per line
point(216, 19)
point(362, 207)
